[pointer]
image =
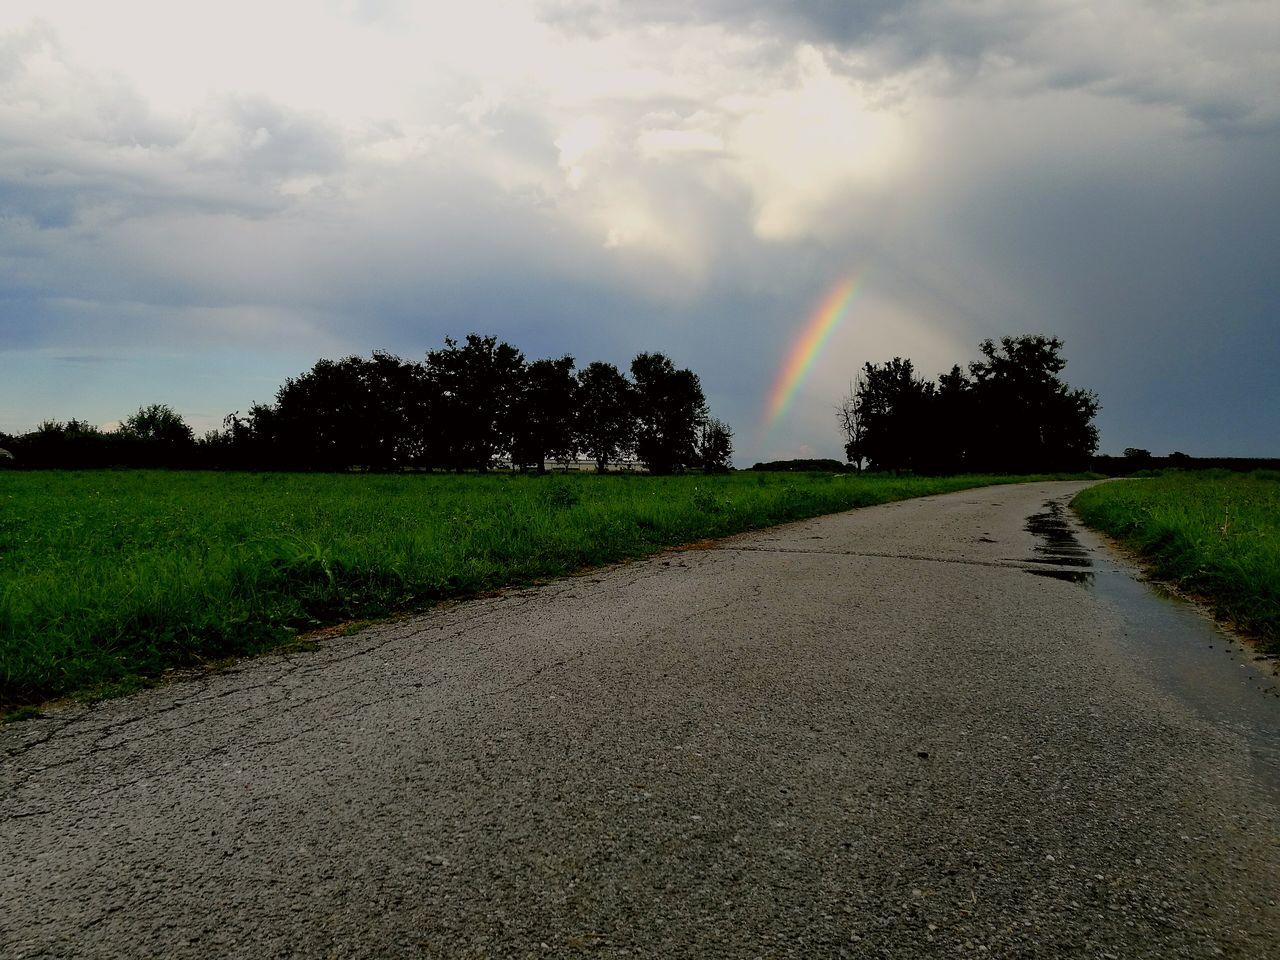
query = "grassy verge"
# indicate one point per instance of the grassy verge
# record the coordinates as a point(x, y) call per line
point(1215, 535)
point(108, 578)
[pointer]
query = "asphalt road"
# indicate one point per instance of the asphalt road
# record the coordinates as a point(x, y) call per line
point(877, 734)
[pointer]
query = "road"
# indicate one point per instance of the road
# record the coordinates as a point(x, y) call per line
point(876, 734)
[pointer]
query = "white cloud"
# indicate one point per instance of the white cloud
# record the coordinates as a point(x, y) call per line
point(801, 148)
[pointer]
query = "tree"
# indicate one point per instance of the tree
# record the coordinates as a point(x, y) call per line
point(73, 444)
point(320, 420)
point(543, 414)
point(155, 436)
point(670, 409)
point(397, 412)
point(1029, 419)
point(893, 408)
point(715, 447)
point(157, 424)
point(849, 415)
point(605, 425)
point(1011, 414)
point(949, 424)
point(475, 386)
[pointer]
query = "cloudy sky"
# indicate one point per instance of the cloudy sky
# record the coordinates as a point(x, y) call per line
point(198, 200)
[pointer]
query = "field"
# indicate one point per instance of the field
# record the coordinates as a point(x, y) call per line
point(110, 577)
point(1213, 534)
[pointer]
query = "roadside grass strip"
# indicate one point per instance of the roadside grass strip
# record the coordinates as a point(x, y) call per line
point(110, 578)
point(1214, 535)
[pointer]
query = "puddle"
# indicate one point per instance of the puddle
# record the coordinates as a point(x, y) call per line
point(1071, 576)
point(1063, 555)
point(1170, 640)
point(1060, 561)
point(1058, 541)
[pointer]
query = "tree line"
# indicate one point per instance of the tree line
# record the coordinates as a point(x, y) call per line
point(470, 405)
point(1009, 412)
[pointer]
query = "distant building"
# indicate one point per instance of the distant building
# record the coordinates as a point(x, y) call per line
point(581, 465)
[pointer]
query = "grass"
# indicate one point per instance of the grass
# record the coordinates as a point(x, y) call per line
point(110, 578)
point(1215, 535)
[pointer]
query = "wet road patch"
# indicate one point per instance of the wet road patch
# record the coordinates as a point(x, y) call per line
point(1058, 547)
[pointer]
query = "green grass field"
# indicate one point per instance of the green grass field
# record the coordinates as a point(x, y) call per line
point(111, 576)
point(1214, 534)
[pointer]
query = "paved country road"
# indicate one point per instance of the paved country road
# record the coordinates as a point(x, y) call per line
point(877, 734)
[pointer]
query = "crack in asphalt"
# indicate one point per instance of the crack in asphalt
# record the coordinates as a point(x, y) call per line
point(1003, 564)
point(204, 695)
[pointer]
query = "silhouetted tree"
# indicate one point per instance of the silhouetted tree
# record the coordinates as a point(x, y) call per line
point(893, 406)
point(715, 446)
point(543, 414)
point(605, 425)
point(1028, 419)
point(320, 420)
point(227, 446)
point(670, 408)
point(73, 444)
point(949, 424)
point(475, 386)
point(156, 436)
point(255, 442)
point(396, 412)
point(849, 415)
point(158, 424)
point(464, 405)
point(1011, 414)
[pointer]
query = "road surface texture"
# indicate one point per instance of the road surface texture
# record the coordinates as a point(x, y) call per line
point(877, 734)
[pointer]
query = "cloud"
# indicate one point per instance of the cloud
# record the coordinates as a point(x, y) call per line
point(602, 177)
point(1214, 63)
point(87, 359)
point(82, 150)
point(797, 20)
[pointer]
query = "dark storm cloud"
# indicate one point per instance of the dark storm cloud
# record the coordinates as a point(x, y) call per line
point(1209, 61)
point(1163, 282)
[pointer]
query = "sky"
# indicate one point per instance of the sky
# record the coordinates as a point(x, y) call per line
point(199, 200)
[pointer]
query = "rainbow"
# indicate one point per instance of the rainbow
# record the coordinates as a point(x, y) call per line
point(806, 349)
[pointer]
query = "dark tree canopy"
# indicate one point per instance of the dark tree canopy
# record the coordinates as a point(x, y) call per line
point(74, 443)
point(158, 424)
point(1011, 413)
point(952, 421)
point(894, 404)
point(475, 385)
point(319, 418)
point(715, 447)
point(543, 414)
point(670, 409)
point(606, 425)
point(1029, 419)
point(466, 406)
